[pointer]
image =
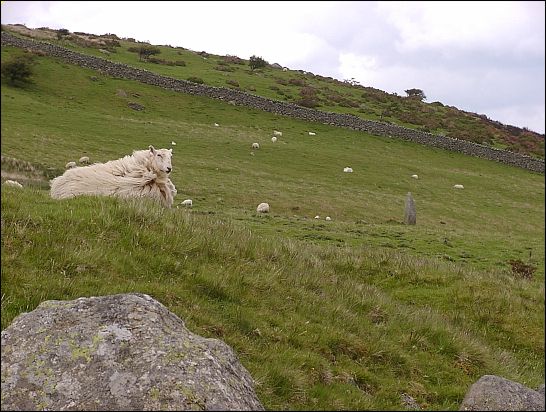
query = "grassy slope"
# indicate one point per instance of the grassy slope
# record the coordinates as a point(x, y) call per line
point(380, 321)
point(331, 95)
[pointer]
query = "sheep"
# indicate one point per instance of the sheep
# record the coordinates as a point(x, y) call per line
point(216, 124)
point(285, 69)
point(274, 139)
point(145, 173)
point(415, 176)
point(70, 165)
point(458, 187)
point(173, 143)
point(317, 217)
point(13, 183)
point(263, 208)
point(84, 160)
point(255, 145)
point(312, 133)
point(187, 202)
point(277, 133)
point(328, 218)
point(348, 170)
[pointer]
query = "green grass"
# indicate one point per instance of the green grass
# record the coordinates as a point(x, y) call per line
point(331, 95)
point(346, 314)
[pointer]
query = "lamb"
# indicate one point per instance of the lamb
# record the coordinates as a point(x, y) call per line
point(263, 208)
point(13, 183)
point(458, 187)
point(145, 173)
point(348, 170)
point(173, 143)
point(328, 218)
point(70, 165)
point(187, 202)
point(274, 139)
point(84, 160)
point(277, 133)
point(255, 145)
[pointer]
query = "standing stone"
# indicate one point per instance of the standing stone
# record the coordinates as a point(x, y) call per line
point(410, 216)
point(493, 393)
point(119, 352)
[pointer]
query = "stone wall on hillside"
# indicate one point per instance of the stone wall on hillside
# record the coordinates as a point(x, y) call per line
point(275, 106)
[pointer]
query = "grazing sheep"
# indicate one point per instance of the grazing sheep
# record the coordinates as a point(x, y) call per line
point(317, 217)
point(328, 218)
point(84, 160)
point(415, 176)
point(145, 173)
point(187, 202)
point(173, 143)
point(70, 165)
point(216, 124)
point(255, 145)
point(458, 186)
point(13, 183)
point(277, 133)
point(348, 170)
point(274, 139)
point(312, 133)
point(263, 208)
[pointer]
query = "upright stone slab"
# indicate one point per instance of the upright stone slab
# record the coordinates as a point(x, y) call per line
point(410, 215)
point(119, 352)
point(493, 393)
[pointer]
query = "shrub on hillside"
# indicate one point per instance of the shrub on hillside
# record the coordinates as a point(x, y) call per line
point(522, 269)
point(234, 83)
point(257, 62)
point(297, 82)
point(18, 70)
point(196, 80)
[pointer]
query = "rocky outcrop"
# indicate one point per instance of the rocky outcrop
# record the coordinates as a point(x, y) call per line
point(119, 352)
point(493, 393)
point(275, 106)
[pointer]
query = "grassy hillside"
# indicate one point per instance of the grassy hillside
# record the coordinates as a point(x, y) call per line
point(342, 314)
point(308, 89)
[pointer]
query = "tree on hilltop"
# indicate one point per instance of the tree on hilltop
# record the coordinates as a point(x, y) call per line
point(145, 51)
point(416, 94)
point(256, 63)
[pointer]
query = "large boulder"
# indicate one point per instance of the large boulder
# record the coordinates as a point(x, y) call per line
point(119, 352)
point(493, 393)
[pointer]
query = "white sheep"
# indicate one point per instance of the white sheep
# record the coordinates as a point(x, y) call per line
point(187, 202)
point(277, 133)
point(312, 133)
point(274, 139)
point(317, 217)
point(70, 165)
point(285, 69)
point(415, 176)
point(173, 143)
point(458, 187)
point(145, 173)
point(263, 208)
point(328, 218)
point(84, 160)
point(255, 145)
point(348, 170)
point(13, 183)
point(216, 124)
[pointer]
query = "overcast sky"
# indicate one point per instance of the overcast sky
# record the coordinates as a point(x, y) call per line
point(483, 57)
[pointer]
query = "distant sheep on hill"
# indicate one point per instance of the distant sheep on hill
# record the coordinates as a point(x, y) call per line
point(255, 146)
point(145, 173)
point(70, 165)
point(84, 160)
point(312, 133)
point(263, 208)
point(348, 169)
point(277, 133)
point(274, 139)
point(415, 176)
point(13, 183)
point(458, 187)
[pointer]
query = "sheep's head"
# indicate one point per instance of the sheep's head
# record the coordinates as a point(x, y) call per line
point(161, 159)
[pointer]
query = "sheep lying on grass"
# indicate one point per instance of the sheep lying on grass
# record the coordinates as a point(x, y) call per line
point(70, 165)
point(13, 183)
point(145, 173)
point(84, 160)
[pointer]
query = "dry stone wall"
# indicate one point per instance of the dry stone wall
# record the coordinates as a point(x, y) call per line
point(274, 106)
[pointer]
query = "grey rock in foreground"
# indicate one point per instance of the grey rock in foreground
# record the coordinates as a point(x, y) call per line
point(118, 352)
point(493, 393)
